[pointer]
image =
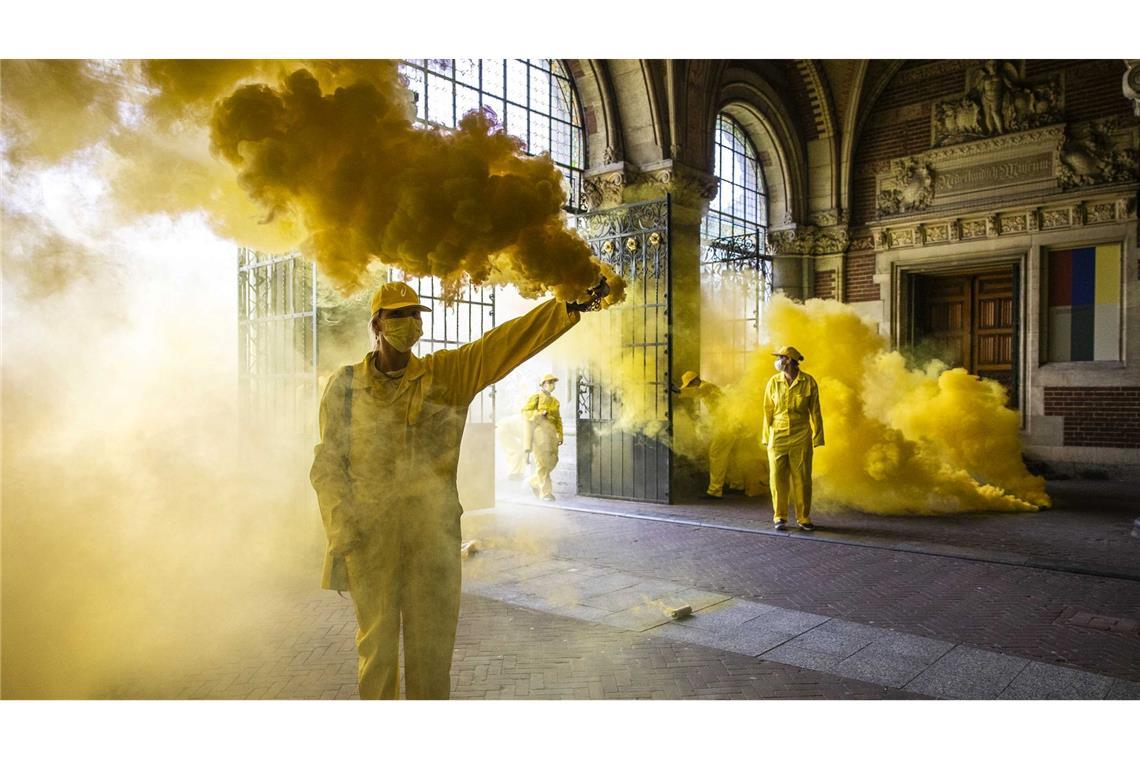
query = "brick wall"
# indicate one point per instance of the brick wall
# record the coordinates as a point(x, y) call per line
point(825, 284)
point(1100, 416)
point(858, 281)
point(899, 125)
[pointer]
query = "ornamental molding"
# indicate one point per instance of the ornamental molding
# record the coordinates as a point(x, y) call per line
point(680, 179)
point(1013, 221)
point(605, 187)
point(1099, 152)
point(909, 188)
point(808, 240)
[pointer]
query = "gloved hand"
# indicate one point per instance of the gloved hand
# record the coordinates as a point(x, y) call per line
point(597, 293)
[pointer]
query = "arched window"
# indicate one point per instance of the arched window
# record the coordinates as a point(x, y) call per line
point(533, 98)
point(741, 203)
point(736, 275)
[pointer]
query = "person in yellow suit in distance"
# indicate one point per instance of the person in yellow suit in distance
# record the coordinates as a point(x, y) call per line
point(792, 428)
point(541, 412)
point(384, 472)
point(723, 439)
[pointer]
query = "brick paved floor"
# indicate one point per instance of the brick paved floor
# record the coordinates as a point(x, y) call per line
point(507, 650)
point(1014, 610)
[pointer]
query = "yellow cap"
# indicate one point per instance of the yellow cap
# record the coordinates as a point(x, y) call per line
point(688, 378)
point(396, 295)
point(547, 378)
point(790, 352)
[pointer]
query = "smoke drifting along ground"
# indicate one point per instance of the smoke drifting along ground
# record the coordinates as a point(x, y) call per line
point(900, 439)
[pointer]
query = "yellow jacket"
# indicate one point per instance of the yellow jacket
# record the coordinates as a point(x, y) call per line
point(707, 392)
point(394, 468)
point(543, 402)
point(792, 416)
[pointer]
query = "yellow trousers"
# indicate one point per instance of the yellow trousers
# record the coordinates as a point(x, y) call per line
point(545, 458)
point(720, 452)
point(409, 579)
point(789, 474)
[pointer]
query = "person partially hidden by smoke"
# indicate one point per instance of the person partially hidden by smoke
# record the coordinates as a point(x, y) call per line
point(385, 476)
point(725, 433)
point(792, 426)
point(543, 417)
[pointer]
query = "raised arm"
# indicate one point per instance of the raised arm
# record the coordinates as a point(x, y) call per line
point(473, 367)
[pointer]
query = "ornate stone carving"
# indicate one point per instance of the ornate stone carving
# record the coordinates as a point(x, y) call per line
point(1092, 156)
point(866, 243)
point(1126, 208)
point(1013, 223)
point(611, 155)
point(900, 238)
point(998, 100)
point(936, 233)
point(992, 228)
point(1054, 218)
point(603, 190)
point(1078, 215)
point(973, 228)
point(955, 230)
point(1132, 85)
point(912, 188)
point(808, 240)
point(681, 180)
point(1100, 212)
point(1033, 218)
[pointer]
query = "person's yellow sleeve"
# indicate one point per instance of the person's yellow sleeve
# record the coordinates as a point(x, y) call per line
point(329, 473)
point(816, 417)
point(530, 408)
point(471, 368)
point(769, 411)
point(555, 416)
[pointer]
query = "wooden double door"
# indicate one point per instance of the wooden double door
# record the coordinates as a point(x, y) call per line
point(971, 320)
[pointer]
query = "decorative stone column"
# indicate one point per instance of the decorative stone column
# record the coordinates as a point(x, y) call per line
point(793, 248)
point(1132, 84)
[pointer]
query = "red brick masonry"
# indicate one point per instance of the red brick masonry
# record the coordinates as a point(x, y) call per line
point(1104, 416)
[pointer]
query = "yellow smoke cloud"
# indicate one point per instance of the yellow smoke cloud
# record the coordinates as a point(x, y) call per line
point(899, 440)
point(462, 205)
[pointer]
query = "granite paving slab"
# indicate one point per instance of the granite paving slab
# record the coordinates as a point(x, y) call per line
point(1042, 680)
point(968, 673)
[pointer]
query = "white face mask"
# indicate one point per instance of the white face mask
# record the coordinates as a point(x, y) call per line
point(401, 332)
point(779, 364)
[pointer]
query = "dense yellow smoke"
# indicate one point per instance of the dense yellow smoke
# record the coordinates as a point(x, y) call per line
point(463, 205)
point(900, 439)
point(326, 158)
point(923, 440)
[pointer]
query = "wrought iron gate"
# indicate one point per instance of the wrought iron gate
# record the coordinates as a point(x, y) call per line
point(736, 281)
point(619, 457)
point(277, 345)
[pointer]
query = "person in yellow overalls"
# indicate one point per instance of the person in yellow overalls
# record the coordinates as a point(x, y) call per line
point(723, 439)
point(541, 413)
point(384, 472)
point(792, 427)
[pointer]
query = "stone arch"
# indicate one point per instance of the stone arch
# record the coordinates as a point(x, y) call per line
point(600, 113)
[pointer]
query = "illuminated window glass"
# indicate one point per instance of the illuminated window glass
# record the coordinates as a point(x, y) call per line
point(534, 99)
point(741, 203)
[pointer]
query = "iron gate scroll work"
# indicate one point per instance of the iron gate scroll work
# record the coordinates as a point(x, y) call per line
point(620, 461)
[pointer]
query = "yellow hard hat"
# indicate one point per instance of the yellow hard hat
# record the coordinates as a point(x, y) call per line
point(396, 295)
point(547, 378)
point(688, 378)
point(790, 352)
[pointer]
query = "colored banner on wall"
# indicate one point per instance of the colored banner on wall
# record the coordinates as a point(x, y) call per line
point(1084, 304)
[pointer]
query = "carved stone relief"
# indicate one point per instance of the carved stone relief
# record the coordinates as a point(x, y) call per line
point(911, 188)
point(1096, 152)
point(998, 100)
point(603, 190)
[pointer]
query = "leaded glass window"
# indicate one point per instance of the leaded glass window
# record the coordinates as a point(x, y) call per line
point(534, 99)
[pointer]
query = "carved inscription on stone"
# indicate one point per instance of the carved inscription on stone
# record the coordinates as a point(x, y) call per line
point(1014, 171)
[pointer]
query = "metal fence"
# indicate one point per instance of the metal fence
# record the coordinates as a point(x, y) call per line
point(277, 344)
point(619, 455)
